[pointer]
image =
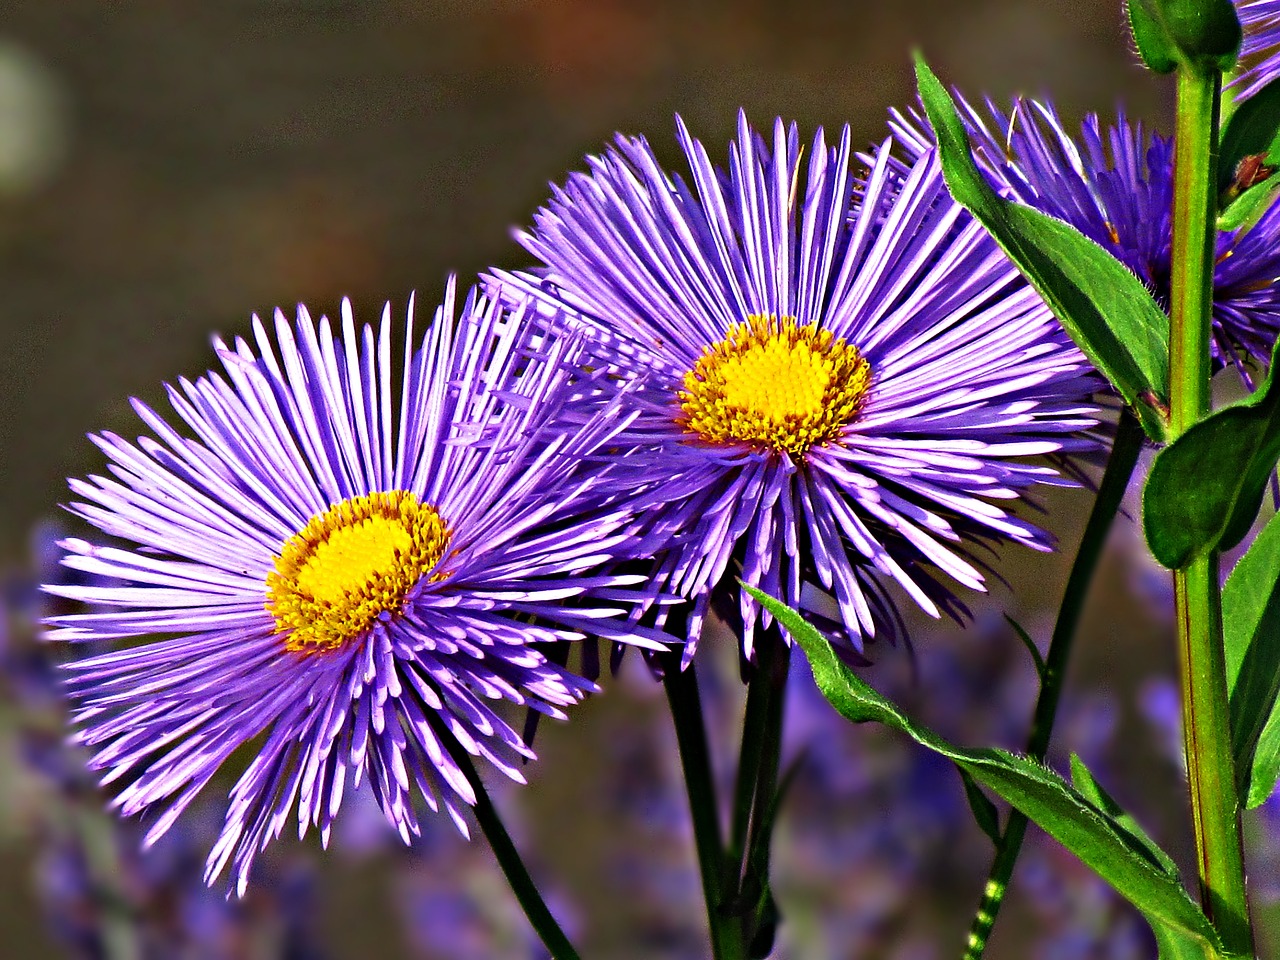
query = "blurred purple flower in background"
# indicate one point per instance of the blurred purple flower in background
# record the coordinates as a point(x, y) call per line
point(348, 585)
point(101, 892)
point(864, 796)
point(1261, 47)
point(866, 396)
point(1116, 187)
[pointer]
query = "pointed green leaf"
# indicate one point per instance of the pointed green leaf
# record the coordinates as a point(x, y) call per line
point(1105, 308)
point(1253, 130)
point(1093, 835)
point(1250, 205)
point(1251, 631)
point(984, 811)
point(1082, 779)
point(1030, 645)
point(1205, 488)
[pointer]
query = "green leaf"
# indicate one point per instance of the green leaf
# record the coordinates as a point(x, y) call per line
point(1082, 779)
point(1155, 47)
point(1253, 130)
point(1092, 834)
point(1251, 631)
point(1030, 645)
point(984, 811)
point(1105, 308)
point(1205, 488)
point(1248, 206)
point(1203, 34)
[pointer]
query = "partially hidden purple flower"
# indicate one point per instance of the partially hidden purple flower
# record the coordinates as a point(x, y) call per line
point(1115, 185)
point(1260, 49)
point(826, 402)
point(349, 561)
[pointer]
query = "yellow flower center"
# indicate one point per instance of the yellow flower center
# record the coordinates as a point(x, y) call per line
point(774, 384)
point(350, 565)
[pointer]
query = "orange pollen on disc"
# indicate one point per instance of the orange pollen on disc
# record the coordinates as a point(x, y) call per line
point(350, 565)
point(774, 384)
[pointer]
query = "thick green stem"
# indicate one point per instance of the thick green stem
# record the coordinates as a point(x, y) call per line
point(1120, 466)
point(686, 714)
point(1194, 238)
point(1215, 808)
point(508, 857)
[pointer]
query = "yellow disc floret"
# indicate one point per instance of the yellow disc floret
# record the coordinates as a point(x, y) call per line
point(351, 564)
point(775, 384)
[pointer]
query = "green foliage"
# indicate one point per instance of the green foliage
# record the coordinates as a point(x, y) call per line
point(1082, 822)
point(985, 813)
point(1205, 488)
point(1249, 159)
point(1250, 204)
point(1030, 644)
point(1106, 309)
point(1154, 46)
point(1201, 34)
point(1082, 779)
point(1251, 631)
point(1252, 130)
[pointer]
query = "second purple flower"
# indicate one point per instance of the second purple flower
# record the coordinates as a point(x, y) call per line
point(832, 401)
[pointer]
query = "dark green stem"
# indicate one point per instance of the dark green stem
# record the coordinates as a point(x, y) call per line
point(686, 714)
point(1215, 808)
point(750, 757)
point(774, 666)
point(761, 737)
point(757, 782)
point(1115, 480)
point(522, 885)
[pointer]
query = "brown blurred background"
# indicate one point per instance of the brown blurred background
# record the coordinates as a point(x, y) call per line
point(169, 168)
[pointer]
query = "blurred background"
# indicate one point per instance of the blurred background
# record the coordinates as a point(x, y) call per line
point(169, 168)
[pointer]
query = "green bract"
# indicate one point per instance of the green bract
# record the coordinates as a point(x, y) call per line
point(1202, 34)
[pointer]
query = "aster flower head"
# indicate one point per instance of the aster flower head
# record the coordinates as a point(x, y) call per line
point(1260, 49)
point(346, 576)
point(1115, 185)
point(829, 402)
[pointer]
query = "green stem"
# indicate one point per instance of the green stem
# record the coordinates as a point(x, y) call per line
point(1115, 480)
point(750, 757)
point(686, 714)
point(757, 782)
point(1194, 237)
point(774, 665)
point(1215, 808)
point(508, 857)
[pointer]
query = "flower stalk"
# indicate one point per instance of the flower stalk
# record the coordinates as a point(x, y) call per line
point(508, 857)
point(1215, 806)
point(757, 786)
point(1115, 480)
point(685, 702)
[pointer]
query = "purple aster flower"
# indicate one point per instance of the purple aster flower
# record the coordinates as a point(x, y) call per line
point(1116, 187)
point(348, 586)
point(1260, 49)
point(828, 402)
